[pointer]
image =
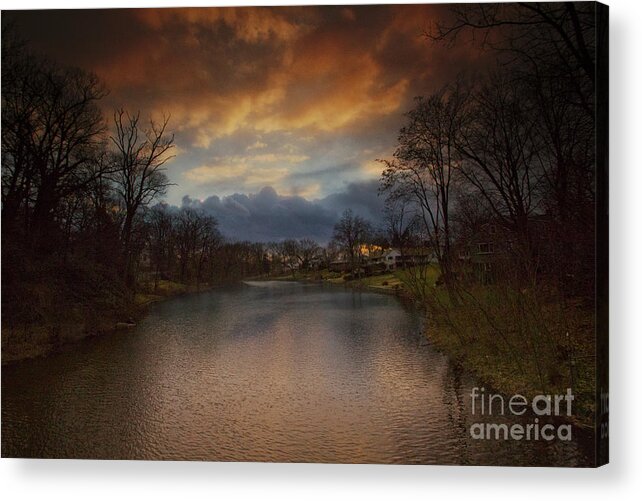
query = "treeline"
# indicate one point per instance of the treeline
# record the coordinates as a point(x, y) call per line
point(185, 245)
point(513, 147)
point(497, 171)
point(82, 229)
point(62, 212)
point(291, 255)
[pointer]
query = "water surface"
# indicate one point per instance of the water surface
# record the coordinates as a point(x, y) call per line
point(264, 371)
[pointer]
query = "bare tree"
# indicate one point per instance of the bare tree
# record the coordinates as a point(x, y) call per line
point(552, 40)
point(52, 138)
point(329, 253)
point(209, 239)
point(401, 220)
point(189, 232)
point(161, 235)
point(139, 174)
point(350, 233)
point(291, 251)
point(424, 164)
point(550, 51)
point(308, 250)
point(499, 147)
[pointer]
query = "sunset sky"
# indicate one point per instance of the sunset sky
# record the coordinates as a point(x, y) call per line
point(279, 113)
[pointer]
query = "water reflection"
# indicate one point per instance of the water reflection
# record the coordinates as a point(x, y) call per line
point(258, 372)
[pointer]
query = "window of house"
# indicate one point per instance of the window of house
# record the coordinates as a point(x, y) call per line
point(485, 248)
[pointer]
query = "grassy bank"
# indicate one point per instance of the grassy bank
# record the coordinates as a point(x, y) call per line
point(524, 341)
point(165, 289)
point(517, 341)
point(52, 326)
point(393, 282)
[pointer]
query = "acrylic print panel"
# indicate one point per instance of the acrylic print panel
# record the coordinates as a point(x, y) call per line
point(346, 234)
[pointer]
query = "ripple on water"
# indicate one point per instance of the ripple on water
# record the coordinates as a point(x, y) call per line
point(267, 371)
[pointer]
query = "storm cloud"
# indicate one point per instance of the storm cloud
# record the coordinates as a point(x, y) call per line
point(268, 216)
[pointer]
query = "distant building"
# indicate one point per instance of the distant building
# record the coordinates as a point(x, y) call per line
point(489, 249)
point(392, 259)
point(339, 265)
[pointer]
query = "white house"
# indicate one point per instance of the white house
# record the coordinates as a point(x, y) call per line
point(392, 259)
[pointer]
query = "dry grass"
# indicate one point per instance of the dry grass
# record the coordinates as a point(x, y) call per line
point(525, 342)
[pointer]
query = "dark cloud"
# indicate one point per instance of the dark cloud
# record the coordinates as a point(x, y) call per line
point(268, 216)
point(363, 198)
point(333, 170)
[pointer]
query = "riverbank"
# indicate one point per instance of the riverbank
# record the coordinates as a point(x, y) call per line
point(525, 343)
point(519, 342)
point(166, 289)
point(33, 340)
point(384, 283)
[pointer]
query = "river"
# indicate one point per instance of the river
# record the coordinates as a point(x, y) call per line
point(262, 371)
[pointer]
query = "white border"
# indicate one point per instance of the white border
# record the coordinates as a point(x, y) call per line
point(68, 480)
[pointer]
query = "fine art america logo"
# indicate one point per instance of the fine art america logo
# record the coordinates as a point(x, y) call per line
point(542, 406)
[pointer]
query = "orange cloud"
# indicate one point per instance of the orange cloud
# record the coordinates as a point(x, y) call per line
point(251, 24)
point(320, 77)
point(254, 171)
point(331, 82)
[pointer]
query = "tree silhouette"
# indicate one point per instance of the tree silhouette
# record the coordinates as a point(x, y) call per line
point(350, 233)
point(138, 174)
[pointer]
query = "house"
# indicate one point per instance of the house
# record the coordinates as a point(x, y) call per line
point(492, 247)
point(392, 259)
point(417, 256)
point(481, 251)
point(339, 265)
